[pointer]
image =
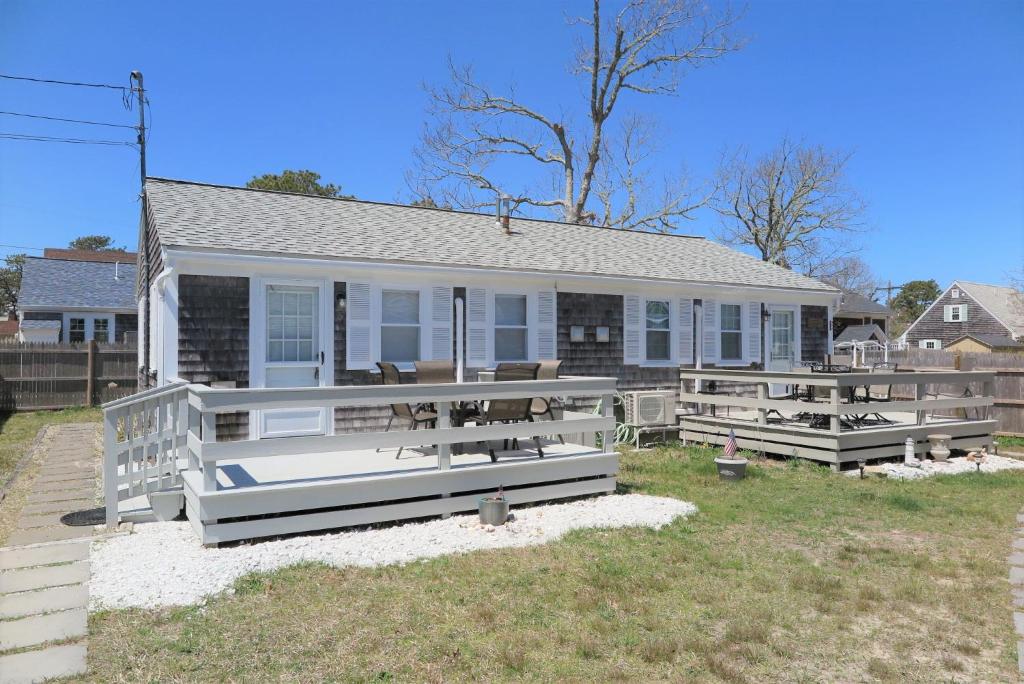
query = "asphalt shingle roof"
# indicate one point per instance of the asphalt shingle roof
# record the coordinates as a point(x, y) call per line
point(207, 217)
point(861, 333)
point(853, 303)
point(58, 283)
point(1005, 303)
point(992, 340)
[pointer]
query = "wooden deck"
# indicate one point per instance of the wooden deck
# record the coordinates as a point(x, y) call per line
point(758, 427)
point(258, 488)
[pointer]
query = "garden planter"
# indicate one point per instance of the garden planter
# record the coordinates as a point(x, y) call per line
point(493, 510)
point(731, 468)
point(940, 447)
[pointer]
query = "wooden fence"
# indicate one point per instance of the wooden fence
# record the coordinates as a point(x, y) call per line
point(1009, 381)
point(53, 376)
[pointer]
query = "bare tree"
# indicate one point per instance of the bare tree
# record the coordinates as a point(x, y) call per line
point(849, 273)
point(792, 205)
point(478, 134)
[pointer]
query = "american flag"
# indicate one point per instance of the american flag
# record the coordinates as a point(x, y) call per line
point(730, 445)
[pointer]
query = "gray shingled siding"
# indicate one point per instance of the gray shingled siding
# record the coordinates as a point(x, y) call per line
point(213, 338)
point(932, 327)
point(813, 333)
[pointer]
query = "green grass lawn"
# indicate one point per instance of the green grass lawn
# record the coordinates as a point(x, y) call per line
point(1011, 443)
point(795, 574)
point(17, 430)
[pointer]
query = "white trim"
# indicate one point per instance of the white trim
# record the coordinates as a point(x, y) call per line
point(82, 309)
point(744, 327)
point(797, 333)
point(211, 263)
point(923, 344)
point(673, 331)
point(90, 325)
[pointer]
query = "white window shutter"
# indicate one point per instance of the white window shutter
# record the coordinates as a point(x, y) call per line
point(947, 313)
point(631, 318)
point(710, 334)
point(753, 331)
point(438, 332)
point(963, 313)
point(547, 341)
point(358, 323)
point(685, 331)
point(478, 317)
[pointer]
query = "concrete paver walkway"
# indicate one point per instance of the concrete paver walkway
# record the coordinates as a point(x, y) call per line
point(44, 569)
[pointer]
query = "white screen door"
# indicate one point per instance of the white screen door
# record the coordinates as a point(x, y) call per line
point(293, 357)
point(781, 345)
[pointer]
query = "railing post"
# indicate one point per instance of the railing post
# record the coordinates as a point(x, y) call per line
point(834, 421)
point(209, 424)
point(762, 395)
point(110, 466)
point(920, 393)
point(608, 411)
point(194, 427)
point(988, 389)
point(444, 451)
point(90, 374)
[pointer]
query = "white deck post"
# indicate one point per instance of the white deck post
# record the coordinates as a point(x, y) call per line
point(209, 420)
point(762, 395)
point(919, 395)
point(834, 419)
point(194, 428)
point(444, 451)
point(608, 411)
point(110, 466)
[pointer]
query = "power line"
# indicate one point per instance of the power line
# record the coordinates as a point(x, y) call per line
point(37, 249)
point(68, 83)
point(74, 141)
point(57, 118)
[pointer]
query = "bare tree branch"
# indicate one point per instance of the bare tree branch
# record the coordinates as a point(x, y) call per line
point(475, 131)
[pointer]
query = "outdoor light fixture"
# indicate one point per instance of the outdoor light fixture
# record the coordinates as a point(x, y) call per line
point(860, 464)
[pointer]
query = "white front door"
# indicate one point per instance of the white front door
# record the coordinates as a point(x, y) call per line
point(293, 355)
point(782, 344)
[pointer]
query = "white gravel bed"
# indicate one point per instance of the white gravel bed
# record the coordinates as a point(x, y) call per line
point(163, 564)
point(954, 466)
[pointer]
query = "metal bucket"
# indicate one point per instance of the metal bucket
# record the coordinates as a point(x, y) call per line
point(731, 468)
point(493, 511)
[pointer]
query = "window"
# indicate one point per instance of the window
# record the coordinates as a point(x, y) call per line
point(76, 330)
point(510, 328)
point(101, 330)
point(731, 331)
point(291, 324)
point(930, 344)
point(954, 313)
point(954, 293)
point(400, 326)
point(658, 327)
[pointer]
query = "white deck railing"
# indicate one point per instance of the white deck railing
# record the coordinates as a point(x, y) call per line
point(187, 417)
point(834, 389)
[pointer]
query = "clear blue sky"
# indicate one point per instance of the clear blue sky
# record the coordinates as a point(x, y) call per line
point(928, 95)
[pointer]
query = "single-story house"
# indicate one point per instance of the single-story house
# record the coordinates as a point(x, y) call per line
point(856, 309)
point(968, 308)
point(981, 342)
point(71, 300)
point(272, 289)
point(867, 332)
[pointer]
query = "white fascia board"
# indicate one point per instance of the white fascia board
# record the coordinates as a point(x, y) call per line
point(249, 265)
point(82, 309)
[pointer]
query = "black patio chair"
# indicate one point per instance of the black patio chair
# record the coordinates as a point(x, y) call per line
point(416, 415)
point(509, 410)
point(542, 406)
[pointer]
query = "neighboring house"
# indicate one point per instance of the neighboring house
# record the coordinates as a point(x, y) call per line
point(266, 289)
point(967, 308)
point(8, 329)
point(980, 342)
point(856, 309)
point(71, 300)
point(108, 256)
point(869, 332)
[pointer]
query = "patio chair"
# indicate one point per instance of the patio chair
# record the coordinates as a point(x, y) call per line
point(416, 415)
point(542, 407)
point(434, 372)
point(509, 410)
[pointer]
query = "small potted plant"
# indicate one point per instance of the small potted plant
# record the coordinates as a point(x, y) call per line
point(493, 509)
point(731, 466)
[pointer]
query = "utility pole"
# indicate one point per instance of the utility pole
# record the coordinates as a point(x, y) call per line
point(888, 292)
point(136, 81)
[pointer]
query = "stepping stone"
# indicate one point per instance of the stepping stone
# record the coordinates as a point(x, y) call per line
point(61, 495)
point(1018, 622)
point(43, 555)
point(1020, 517)
point(39, 535)
point(47, 663)
point(25, 579)
point(55, 482)
point(61, 507)
point(1018, 543)
point(1017, 558)
point(59, 470)
point(1016, 575)
point(40, 629)
point(43, 601)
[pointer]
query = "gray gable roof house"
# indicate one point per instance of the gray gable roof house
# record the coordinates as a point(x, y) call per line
point(969, 308)
point(386, 282)
point(862, 333)
point(62, 300)
point(853, 304)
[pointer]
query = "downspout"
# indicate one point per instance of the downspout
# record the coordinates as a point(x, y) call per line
point(158, 283)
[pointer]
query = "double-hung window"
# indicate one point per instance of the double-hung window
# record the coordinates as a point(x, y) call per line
point(731, 332)
point(76, 330)
point(510, 327)
point(101, 330)
point(658, 330)
point(400, 326)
